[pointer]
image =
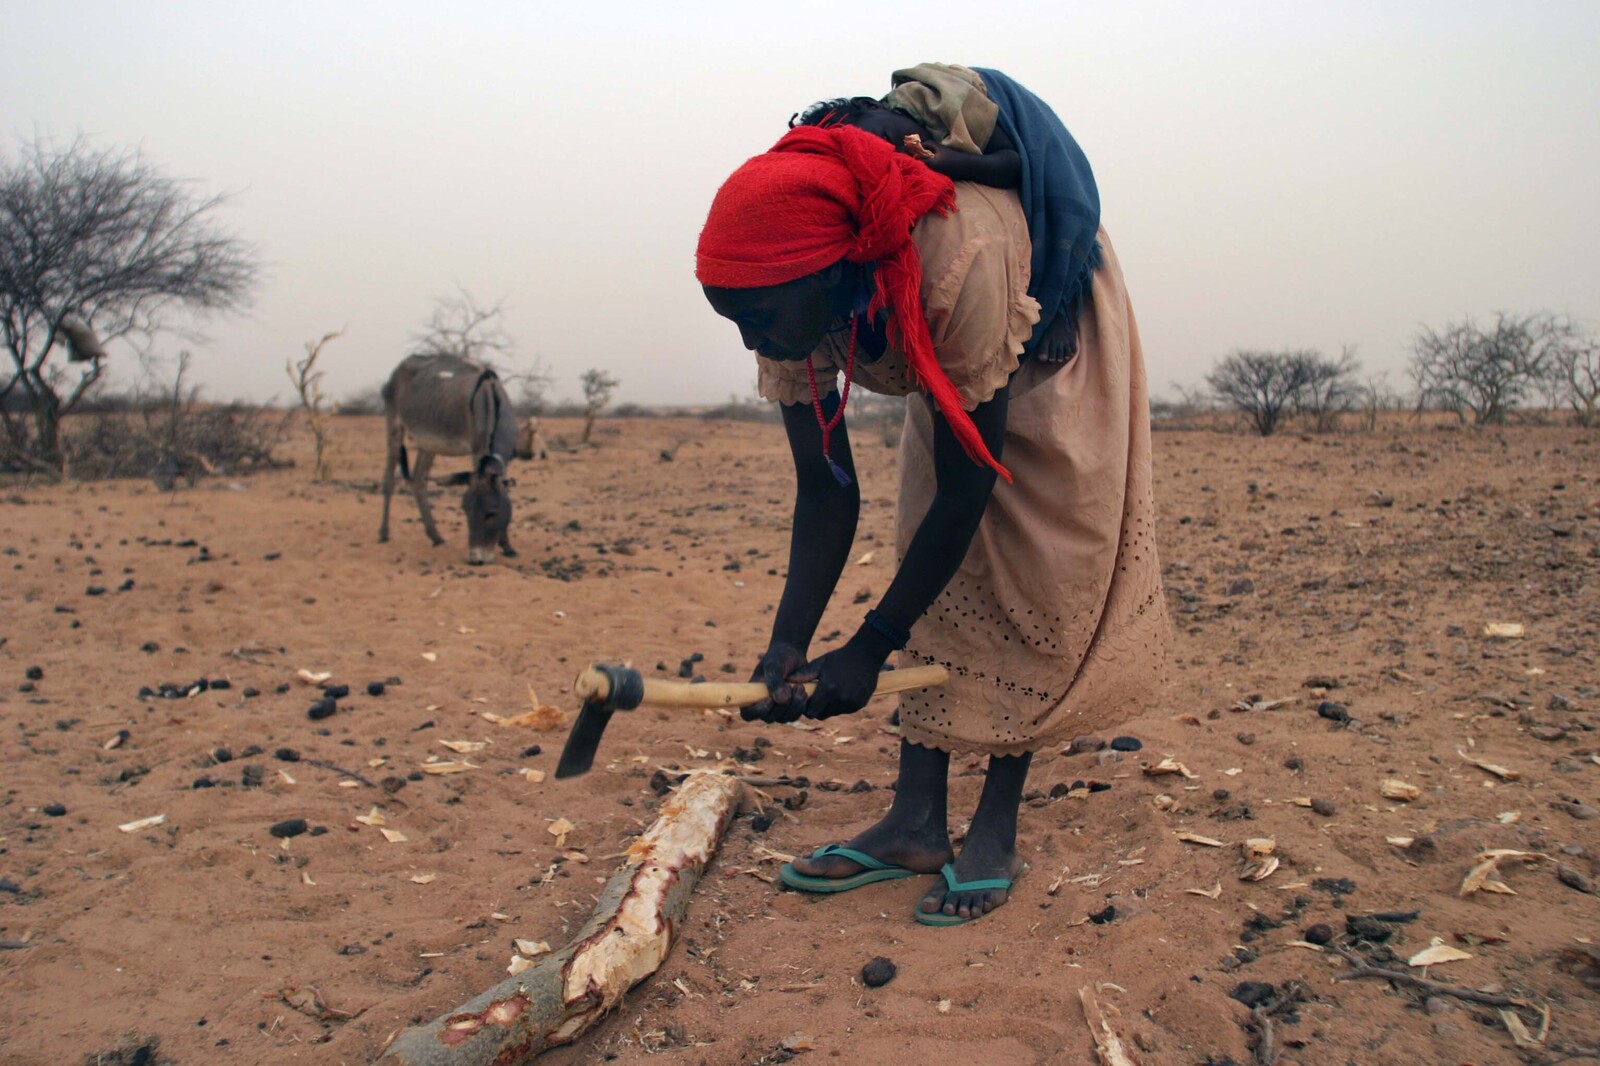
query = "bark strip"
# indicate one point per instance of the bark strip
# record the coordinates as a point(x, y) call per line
point(625, 940)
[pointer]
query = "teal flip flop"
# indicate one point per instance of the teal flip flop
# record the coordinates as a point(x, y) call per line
point(876, 870)
point(952, 885)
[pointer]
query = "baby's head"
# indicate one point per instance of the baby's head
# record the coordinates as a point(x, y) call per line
point(862, 112)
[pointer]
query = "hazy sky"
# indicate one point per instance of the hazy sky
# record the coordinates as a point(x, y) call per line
point(1272, 174)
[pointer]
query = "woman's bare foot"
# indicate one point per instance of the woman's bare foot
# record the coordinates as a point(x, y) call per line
point(923, 849)
point(981, 859)
point(1059, 344)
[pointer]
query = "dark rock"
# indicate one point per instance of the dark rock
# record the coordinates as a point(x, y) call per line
point(374, 688)
point(860, 786)
point(877, 973)
point(1321, 933)
point(761, 823)
point(1333, 712)
point(1082, 745)
point(1126, 744)
point(286, 755)
point(1324, 807)
point(1549, 733)
point(252, 776)
point(1334, 886)
point(1099, 786)
point(1107, 915)
point(531, 750)
point(95, 590)
point(250, 693)
point(1253, 994)
point(291, 827)
point(336, 692)
point(1320, 681)
point(253, 749)
point(54, 810)
point(323, 708)
point(222, 753)
point(34, 673)
point(27, 686)
point(1220, 794)
point(203, 782)
point(220, 684)
point(1058, 790)
point(1241, 587)
point(392, 784)
point(1365, 927)
point(1293, 763)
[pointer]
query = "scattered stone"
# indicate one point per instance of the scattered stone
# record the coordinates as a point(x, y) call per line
point(252, 777)
point(54, 810)
point(761, 823)
point(860, 786)
point(1293, 762)
point(1435, 1005)
point(203, 782)
point(531, 750)
point(286, 755)
point(1334, 886)
point(250, 693)
point(1362, 927)
point(1324, 807)
point(1107, 915)
point(323, 708)
point(1126, 744)
point(1246, 739)
point(1558, 702)
point(220, 683)
point(1059, 790)
point(1241, 587)
point(1333, 712)
point(392, 784)
point(1321, 933)
point(1570, 876)
point(1320, 681)
point(1082, 745)
point(1253, 994)
point(1220, 794)
point(291, 827)
point(222, 753)
point(34, 673)
point(1579, 810)
point(877, 973)
point(375, 688)
point(1550, 733)
point(336, 692)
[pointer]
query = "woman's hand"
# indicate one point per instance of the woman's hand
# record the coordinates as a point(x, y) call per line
point(846, 677)
point(787, 700)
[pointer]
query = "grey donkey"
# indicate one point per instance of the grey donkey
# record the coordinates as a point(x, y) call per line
point(450, 406)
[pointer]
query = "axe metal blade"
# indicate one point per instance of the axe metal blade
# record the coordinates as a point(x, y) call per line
point(584, 740)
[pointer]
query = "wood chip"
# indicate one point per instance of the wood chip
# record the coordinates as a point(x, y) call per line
point(559, 829)
point(393, 836)
point(431, 656)
point(447, 767)
point(465, 747)
point(320, 677)
point(1489, 767)
point(543, 719)
point(530, 948)
point(424, 879)
point(535, 777)
point(1503, 630)
point(1108, 1046)
point(1167, 766)
point(1214, 892)
point(373, 817)
point(142, 823)
point(1395, 789)
point(1196, 838)
point(1401, 842)
point(1438, 952)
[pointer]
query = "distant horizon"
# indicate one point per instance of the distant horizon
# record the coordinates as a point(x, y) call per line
point(1272, 177)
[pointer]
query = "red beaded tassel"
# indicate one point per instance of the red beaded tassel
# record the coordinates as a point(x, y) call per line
point(827, 424)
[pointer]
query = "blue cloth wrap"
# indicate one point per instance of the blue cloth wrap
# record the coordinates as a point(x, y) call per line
point(1059, 199)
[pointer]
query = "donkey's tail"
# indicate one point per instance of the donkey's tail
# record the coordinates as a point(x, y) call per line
point(405, 463)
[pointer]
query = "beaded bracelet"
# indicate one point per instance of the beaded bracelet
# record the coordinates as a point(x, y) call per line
point(896, 636)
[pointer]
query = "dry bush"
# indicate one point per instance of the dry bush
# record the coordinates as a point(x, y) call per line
point(170, 435)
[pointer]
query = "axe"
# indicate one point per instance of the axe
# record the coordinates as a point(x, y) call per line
point(606, 689)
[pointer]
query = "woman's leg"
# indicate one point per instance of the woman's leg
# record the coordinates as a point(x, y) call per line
point(915, 833)
point(991, 846)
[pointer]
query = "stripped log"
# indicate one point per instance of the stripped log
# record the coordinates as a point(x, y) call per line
point(554, 1002)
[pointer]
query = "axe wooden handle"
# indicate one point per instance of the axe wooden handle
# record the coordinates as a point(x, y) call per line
point(659, 692)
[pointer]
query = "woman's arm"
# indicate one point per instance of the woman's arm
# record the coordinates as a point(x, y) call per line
point(823, 529)
point(999, 167)
point(847, 676)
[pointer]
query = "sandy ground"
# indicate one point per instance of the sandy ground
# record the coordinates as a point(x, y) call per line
point(1350, 570)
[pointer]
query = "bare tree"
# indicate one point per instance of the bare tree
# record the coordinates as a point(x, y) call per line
point(307, 381)
point(461, 327)
point(1259, 385)
point(597, 388)
point(1374, 395)
point(1574, 369)
point(96, 244)
point(1487, 372)
point(1327, 386)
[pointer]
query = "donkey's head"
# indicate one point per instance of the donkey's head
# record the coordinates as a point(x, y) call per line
point(487, 502)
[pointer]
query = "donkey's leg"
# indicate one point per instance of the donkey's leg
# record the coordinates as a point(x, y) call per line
point(394, 438)
point(419, 487)
point(505, 544)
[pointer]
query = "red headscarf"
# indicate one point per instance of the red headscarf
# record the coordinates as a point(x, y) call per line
point(823, 194)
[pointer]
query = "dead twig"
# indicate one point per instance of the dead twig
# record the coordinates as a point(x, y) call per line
point(326, 765)
point(1361, 968)
point(1264, 1052)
